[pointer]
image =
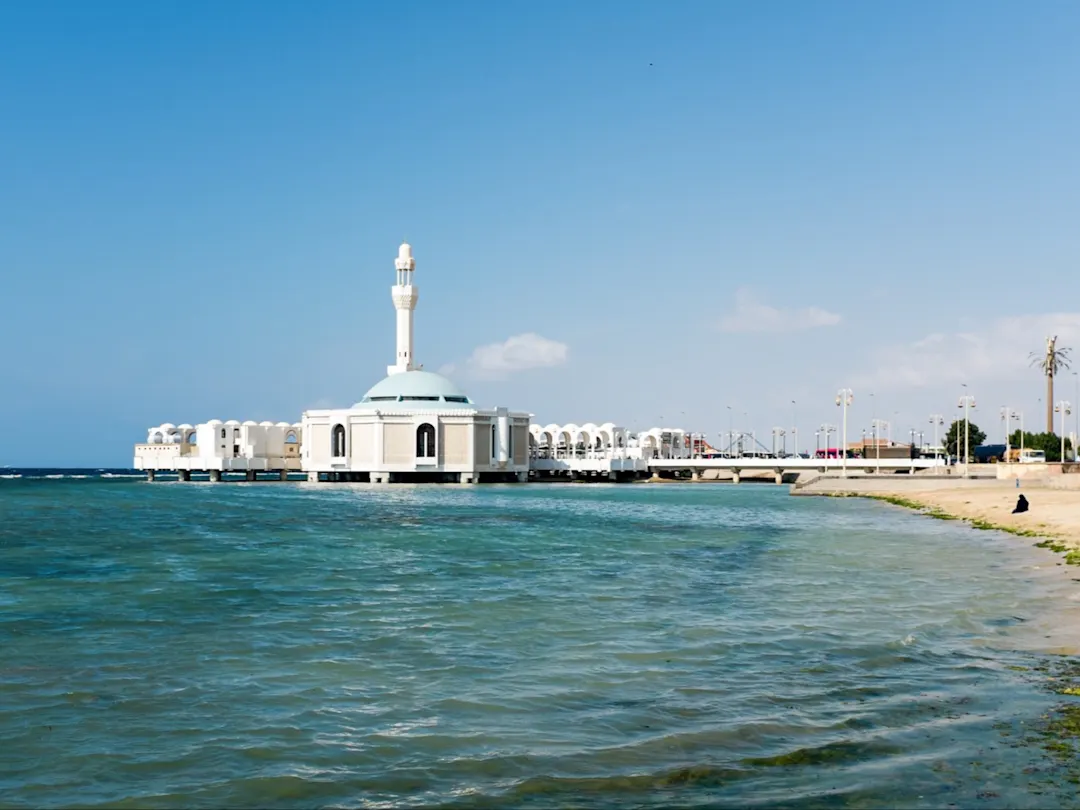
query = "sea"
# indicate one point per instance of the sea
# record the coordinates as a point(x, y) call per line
point(296, 645)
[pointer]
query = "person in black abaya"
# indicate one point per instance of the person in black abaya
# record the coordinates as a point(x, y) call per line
point(1021, 505)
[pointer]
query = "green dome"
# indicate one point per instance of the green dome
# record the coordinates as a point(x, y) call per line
point(411, 390)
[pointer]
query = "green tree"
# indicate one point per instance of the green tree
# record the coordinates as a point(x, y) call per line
point(1049, 443)
point(956, 434)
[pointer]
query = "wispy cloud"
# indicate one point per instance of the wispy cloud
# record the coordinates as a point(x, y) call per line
point(495, 361)
point(997, 351)
point(752, 315)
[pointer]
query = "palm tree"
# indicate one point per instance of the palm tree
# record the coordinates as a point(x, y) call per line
point(1051, 362)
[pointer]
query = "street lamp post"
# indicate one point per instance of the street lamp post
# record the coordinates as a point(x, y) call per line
point(827, 429)
point(843, 398)
point(937, 420)
point(778, 433)
point(794, 429)
point(731, 432)
point(1007, 415)
point(967, 402)
point(877, 425)
point(1064, 407)
point(1076, 433)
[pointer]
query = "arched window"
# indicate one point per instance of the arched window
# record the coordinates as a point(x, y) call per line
point(290, 437)
point(337, 442)
point(425, 441)
point(191, 437)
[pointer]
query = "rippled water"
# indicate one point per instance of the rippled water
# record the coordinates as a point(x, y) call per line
point(294, 645)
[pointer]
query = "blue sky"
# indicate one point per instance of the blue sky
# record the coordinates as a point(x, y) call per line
point(680, 206)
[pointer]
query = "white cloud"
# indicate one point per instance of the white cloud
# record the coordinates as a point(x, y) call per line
point(999, 350)
point(751, 315)
point(518, 353)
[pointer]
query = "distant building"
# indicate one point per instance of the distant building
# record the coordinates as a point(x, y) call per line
point(411, 426)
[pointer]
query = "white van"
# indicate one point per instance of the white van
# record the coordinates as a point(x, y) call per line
point(1029, 456)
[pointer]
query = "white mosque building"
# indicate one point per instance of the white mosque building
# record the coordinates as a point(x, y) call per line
point(411, 426)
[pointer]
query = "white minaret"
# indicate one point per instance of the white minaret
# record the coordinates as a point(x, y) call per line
point(405, 296)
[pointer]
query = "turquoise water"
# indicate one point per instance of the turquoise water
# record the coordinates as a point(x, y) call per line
point(294, 645)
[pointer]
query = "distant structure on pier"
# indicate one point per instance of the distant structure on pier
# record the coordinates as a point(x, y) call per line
point(411, 426)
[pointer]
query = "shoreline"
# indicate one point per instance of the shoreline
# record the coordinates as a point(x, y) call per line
point(1053, 518)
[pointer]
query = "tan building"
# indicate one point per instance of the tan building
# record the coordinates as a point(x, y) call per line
point(414, 425)
point(880, 448)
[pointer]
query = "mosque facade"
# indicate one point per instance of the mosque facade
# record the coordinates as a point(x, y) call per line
point(412, 426)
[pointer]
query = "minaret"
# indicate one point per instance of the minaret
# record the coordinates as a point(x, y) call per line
point(404, 295)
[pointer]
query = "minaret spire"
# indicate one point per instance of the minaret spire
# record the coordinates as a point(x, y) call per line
point(404, 295)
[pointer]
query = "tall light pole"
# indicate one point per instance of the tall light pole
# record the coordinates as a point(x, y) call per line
point(1007, 415)
point(777, 433)
point(794, 429)
point(1064, 407)
point(877, 425)
point(937, 420)
point(967, 402)
point(827, 429)
point(1076, 433)
point(843, 398)
point(730, 432)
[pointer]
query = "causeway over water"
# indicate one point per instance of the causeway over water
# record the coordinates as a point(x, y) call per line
point(303, 646)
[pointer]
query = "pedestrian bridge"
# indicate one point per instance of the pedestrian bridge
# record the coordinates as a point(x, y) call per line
point(821, 464)
point(615, 468)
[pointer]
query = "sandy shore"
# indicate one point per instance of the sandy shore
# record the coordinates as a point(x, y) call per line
point(1054, 513)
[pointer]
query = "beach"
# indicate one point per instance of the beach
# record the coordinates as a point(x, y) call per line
point(1053, 513)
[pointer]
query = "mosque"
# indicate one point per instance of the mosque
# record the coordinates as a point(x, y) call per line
point(411, 426)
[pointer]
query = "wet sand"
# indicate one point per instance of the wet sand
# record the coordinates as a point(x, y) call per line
point(1053, 513)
